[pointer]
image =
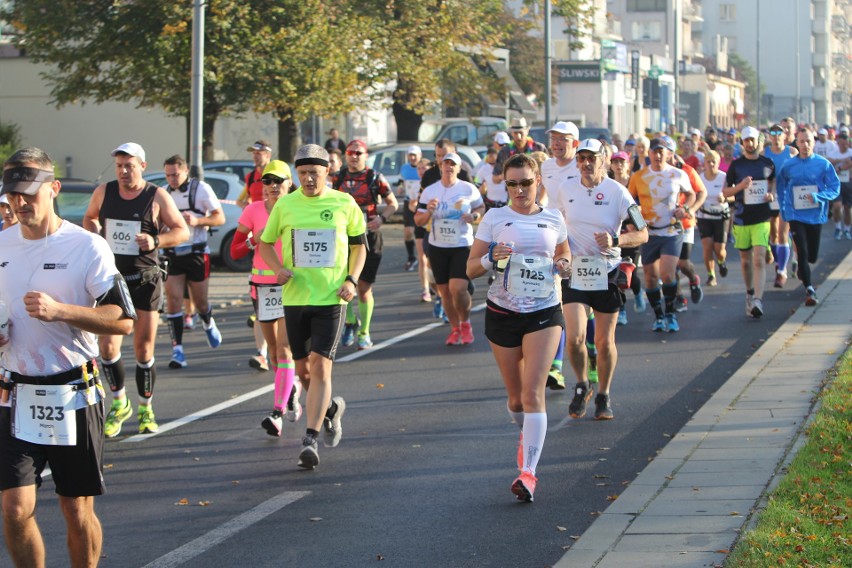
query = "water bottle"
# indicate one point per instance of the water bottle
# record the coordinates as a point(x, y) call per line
point(4, 321)
point(501, 264)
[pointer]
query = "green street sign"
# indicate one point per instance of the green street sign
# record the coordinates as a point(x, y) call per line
point(655, 72)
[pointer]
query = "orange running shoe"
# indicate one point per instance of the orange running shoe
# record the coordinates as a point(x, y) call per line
point(524, 486)
point(466, 333)
point(455, 337)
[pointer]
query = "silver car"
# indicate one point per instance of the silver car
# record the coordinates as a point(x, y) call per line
point(227, 188)
point(389, 158)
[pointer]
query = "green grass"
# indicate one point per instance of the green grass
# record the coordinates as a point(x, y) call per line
point(807, 520)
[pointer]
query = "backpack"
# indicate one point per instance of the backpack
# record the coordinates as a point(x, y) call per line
point(372, 180)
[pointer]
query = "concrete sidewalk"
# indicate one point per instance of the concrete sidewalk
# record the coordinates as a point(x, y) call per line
point(688, 506)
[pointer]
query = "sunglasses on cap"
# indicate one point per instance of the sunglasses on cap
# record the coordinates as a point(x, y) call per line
point(776, 132)
point(273, 180)
point(525, 183)
point(354, 153)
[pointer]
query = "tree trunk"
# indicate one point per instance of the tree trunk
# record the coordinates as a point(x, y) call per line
point(407, 121)
point(289, 138)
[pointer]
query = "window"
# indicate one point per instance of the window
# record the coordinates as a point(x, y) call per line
point(727, 12)
point(732, 43)
point(647, 5)
point(647, 31)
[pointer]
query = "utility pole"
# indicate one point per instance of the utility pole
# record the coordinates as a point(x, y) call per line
point(677, 56)
point(759, 94)
point(548, 65)
point(196, 113)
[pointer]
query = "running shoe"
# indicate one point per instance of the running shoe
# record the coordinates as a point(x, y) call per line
point(593, 369)
point(272, 423)
point(811, 298)
point(659, 325)
point(780, 279)
point(671, 323)
point(622, 316)
point(189, 321)
point(178, 360)
point(426, 297)
point(697, 294)
point(723, 269)
point(848, 234)
point(214, 336)
point(749, 304)
point(411, 265)
point(147, 422)
point(711, 280)
point(308, 456)
point(603, 411)
point(259, 362)
point(582, 393)
point(838, 234)
point(455, 337)
point(640, 303)
point(119, 411)
point(349, 330)
point(438, 309)
point(555, 380)
point(294, 407)
point(524, 486)
point(466, 333)
point(364, 341)
point(250, 321)
point(680, 304)
point(757, 308)
point(332, 430)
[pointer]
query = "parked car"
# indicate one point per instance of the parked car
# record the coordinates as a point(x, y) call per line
point(227, 187)
point(73, 199)
point(389, 158)
point(539, 134)
point(240, 168)
point(464, 130)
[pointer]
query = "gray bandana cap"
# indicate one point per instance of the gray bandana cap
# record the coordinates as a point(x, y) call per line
point(311, 154)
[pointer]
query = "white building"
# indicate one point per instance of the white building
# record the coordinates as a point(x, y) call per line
point(800, 49)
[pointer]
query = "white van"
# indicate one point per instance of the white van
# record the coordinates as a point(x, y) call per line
point(469, 131)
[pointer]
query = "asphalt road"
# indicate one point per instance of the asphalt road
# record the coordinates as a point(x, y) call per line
point(423, 473)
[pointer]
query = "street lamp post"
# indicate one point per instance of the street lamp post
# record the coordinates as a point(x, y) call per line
point(196, 113)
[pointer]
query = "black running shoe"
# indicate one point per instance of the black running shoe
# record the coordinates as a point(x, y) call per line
point(603, 411)
point(308, 456)
point(723, 269)
point(582, 393)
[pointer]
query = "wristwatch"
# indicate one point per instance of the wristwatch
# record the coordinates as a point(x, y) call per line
point(615, 240)
point(350, 279)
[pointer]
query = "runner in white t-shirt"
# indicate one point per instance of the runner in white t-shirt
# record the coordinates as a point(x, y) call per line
point(712, 219)
point(564, 139)
point(841, 209)
point(450, 206)
point(594, 207)
point(62, 288)
point(524, 245)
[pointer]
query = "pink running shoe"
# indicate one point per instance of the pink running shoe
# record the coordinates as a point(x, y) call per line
point(466, 333)
point(455, 337)
point(524, 486)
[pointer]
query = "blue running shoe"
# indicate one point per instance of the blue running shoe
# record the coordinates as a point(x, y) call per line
point(214, 336)
point(364, 341)
point(438, 309)
point(622, 316)
point(659, 325)
point(640, 303)
point(671, 323)
point(178, 360)
point(349, 330)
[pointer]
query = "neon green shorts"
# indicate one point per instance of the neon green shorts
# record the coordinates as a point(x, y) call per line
point(747, 236)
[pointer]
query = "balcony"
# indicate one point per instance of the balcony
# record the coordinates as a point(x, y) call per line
point(820, 26)
point(821, 59)
point(839, 26)
point(692, 12)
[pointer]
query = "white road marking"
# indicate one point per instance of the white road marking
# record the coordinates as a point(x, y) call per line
point(223, 532)
point(269, 388)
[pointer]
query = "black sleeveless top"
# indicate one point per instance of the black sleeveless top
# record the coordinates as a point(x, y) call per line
point(140, 208)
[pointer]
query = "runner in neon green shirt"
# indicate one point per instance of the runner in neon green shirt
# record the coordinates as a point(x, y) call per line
point(322, 234)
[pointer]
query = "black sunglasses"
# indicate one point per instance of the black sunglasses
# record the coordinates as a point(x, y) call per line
point(512, 184)
point(273, 180)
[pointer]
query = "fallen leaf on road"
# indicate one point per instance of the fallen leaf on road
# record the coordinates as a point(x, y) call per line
point(379, 557)
point(734, 514)
point(203, 503)
point(108, 466)
point(235, 482)
point(612, 497)
point(380, 386)
point(183, 501)
point(561, 529)
point(603, 449)
point(196, 459)
point(723, 551)
point(315, 519)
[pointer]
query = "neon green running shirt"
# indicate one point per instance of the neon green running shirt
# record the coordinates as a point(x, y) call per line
point(314, 234)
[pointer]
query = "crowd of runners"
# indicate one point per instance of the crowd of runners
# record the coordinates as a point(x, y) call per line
point(560, 233)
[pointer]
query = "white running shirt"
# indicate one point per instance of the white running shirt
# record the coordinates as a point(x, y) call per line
point(454, 201)
point(552, 174)
point(205, 200)
point(589, 211)
point(73, 266)
point(711, 205)
point(533, 235)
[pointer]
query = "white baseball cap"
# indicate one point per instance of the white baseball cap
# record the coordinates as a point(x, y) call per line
point(566, 128)
point(414, 150)
point(750, 132)
point(131, 149)
point(592, 145)
point(453, 157)
point(502, 138)
point(822, 131)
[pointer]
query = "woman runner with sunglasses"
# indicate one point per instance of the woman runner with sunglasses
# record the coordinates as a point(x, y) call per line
point(266, 297)
point(523, 243)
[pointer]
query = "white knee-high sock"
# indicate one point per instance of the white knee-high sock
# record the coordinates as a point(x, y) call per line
point(535, 429)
